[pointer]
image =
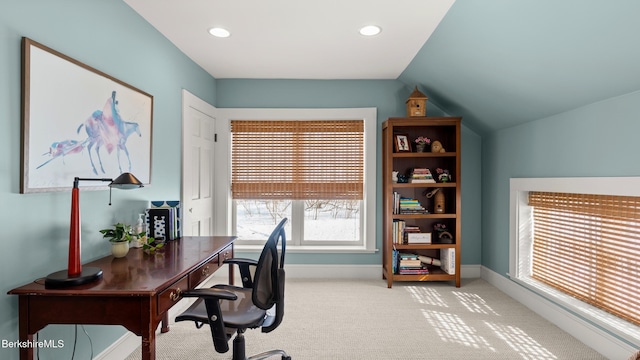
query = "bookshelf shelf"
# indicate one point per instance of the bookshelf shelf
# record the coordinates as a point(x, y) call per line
point(425, 185)
point(446, 212)
point(423, 246)
point(423, 155)
point(423, 216)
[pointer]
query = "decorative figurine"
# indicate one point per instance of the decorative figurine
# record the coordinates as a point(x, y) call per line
point(441, 234)
point(443, 175)
point(436, 147)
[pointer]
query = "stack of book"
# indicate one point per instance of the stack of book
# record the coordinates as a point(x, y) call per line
point(421, 175)
point(410, 264)
point(410, 229)
point(411, 206)
point(404, 205)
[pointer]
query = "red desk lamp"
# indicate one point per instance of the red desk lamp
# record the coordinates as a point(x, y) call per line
point(75, 274)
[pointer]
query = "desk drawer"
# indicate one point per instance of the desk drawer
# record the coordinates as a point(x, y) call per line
point(172, 295)
point(226, 253)
point(203, 272)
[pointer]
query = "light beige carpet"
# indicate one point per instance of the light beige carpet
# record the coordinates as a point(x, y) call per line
point(354, 320)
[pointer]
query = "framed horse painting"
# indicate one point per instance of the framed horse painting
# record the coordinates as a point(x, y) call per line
point(79, 122)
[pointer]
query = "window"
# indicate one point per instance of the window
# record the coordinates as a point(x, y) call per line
point(308, 171)
point(588, 246)
point(318, 173)
point(580, 247)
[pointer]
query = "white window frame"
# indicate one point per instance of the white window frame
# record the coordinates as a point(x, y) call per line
point(521, 242)
point(224, 209)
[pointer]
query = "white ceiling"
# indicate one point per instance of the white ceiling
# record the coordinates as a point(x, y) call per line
point(289, 39)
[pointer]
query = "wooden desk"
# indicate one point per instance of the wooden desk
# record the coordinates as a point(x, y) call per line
point(135, 291)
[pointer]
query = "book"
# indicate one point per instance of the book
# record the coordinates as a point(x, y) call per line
point(177, 214)
point(448, 260)
point(160, 223)
point(418, 271)
point(410, 263)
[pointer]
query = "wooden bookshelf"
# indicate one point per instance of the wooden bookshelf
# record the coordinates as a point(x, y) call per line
point(447, 131)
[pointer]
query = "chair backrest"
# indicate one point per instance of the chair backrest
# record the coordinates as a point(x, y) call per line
point(268, 285)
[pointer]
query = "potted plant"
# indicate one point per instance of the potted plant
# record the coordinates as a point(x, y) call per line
point(119, 235)
point(422, 142)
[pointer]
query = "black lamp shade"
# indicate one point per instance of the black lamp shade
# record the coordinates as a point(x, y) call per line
point(126, 181)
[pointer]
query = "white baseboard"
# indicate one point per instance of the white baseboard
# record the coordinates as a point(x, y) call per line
point(596, 338)
point(341, 271)
point(121, 348)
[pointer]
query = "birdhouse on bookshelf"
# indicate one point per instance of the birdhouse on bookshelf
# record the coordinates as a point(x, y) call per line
point(417, 104)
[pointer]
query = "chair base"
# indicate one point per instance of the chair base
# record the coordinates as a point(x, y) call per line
point(268, 354)
point(239, 350)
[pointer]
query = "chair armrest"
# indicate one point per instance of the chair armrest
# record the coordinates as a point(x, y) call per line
point(210, 293)
point(211, 298)
point(241, 261)
point(245, 272)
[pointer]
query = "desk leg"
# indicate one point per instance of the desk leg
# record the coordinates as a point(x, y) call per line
point(26, 353)
point(165, 322)
point(149, 346)
point(148, 328)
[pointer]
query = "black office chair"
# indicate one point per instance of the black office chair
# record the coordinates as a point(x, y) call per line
point(231, 309)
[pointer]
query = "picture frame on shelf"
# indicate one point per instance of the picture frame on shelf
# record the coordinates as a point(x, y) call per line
point(79, 122)
point(402, 143)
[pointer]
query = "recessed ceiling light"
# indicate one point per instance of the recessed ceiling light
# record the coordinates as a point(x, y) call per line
point(370, 30)
point(219, 32)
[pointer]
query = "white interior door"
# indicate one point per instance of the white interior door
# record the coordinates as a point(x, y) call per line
point(198, 138)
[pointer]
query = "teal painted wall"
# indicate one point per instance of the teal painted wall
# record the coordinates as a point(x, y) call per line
point(111, 37)
point(600, 139)
point(389, 97)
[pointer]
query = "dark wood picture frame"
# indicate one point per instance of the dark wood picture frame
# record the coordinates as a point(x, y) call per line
point(402, 143)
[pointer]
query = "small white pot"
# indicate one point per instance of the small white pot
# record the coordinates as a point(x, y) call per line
point(119, 249)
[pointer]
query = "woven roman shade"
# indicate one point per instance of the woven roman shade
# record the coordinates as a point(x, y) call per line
point(588, 246)
point(297, 160)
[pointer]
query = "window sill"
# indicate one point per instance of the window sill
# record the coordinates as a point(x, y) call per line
point(613, 324)
point(312, 249)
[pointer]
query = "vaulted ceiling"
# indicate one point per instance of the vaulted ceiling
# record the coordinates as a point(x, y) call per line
point(500, 63)
point(497, 63)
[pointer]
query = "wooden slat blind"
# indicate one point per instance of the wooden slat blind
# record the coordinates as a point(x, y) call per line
point(588, 246)
point(296, 160)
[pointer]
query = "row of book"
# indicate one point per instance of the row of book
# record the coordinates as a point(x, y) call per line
point(409, 263)
point(401, 233)
point(163, 220)
point(405, 205)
